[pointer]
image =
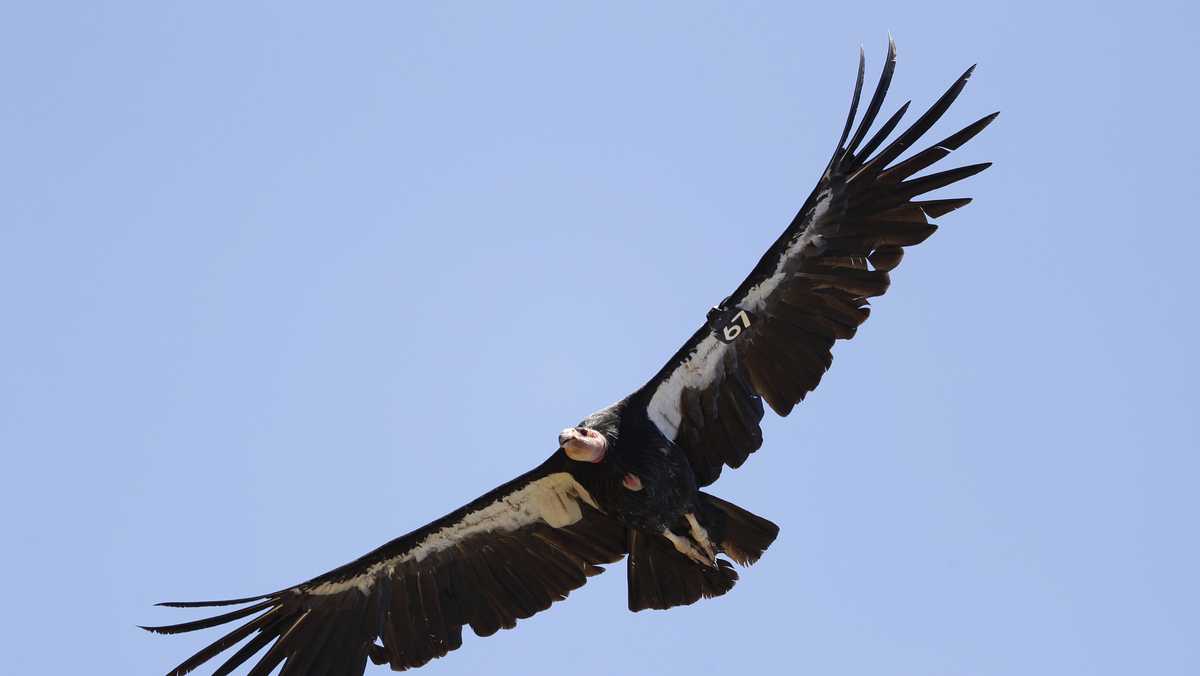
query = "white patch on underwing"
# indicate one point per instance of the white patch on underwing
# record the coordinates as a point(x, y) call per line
point(756, 298)
point(706, 363)
point(698, 370)
point(553, 499)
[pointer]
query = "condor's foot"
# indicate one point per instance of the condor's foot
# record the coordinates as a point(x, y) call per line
point(701, 536)
point(685, 546)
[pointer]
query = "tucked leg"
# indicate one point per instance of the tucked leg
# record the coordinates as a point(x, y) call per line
point(685, 546)
point(701, 536)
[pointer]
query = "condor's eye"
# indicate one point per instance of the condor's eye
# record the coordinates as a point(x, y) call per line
point(582, 430)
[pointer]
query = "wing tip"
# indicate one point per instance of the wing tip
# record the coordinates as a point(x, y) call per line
point(854, 100)
point(939, 208)
point(211, 604)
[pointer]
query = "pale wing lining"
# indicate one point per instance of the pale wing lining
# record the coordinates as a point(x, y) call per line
point(553, 499)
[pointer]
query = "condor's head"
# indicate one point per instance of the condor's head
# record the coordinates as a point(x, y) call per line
point(583, 444)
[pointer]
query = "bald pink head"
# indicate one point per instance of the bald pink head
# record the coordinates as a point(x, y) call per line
point(583, 444)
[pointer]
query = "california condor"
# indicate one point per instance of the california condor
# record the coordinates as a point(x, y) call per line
point(626, 479)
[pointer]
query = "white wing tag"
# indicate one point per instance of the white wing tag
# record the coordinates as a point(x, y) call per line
point(727, 324)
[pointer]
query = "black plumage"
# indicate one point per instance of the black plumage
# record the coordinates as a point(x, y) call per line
point(626, 480)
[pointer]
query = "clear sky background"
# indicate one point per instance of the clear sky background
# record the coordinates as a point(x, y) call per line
point(282, 281)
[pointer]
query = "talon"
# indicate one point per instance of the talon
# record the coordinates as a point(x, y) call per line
point(632, 482)
point(700, 535)
point(684, 546)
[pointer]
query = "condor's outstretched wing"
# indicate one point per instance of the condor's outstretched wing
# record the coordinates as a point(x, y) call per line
point(504, 557)
point(771, 338)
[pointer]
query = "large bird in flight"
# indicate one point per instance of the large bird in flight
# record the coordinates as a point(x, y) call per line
point(626, 480)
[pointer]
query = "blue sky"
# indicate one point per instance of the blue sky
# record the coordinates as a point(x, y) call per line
point(282, 281)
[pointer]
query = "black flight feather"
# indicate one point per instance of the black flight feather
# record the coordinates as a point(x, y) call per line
point(517, 549)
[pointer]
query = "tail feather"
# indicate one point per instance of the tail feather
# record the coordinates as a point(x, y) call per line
point(741, 535)
point(660, 577)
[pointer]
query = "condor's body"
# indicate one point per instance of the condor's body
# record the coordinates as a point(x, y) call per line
point(628, 480)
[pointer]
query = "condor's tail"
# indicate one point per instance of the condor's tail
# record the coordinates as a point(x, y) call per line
point(660, 577)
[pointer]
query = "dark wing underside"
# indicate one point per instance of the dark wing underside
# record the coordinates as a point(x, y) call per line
point(504, 557)
point(526, 544)
point(772, 338)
